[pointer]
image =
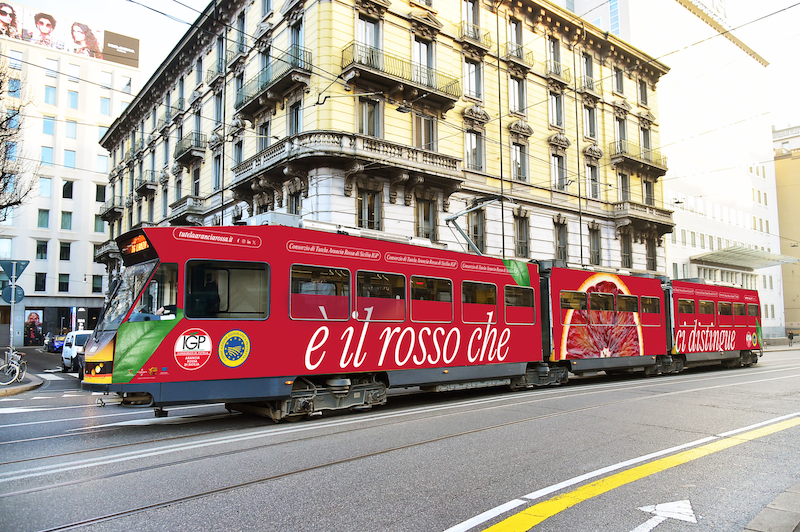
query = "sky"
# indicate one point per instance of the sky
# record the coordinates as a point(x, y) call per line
point(158, 24)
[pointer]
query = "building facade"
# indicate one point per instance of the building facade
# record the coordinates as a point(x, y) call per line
point(393, 116)
point(787, 178)
point(66, 101)
point(716, 132)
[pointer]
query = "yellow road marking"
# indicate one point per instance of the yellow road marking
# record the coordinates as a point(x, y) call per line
point(533, 515)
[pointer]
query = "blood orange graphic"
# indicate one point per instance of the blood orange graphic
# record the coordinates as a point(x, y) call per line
point(599, 334)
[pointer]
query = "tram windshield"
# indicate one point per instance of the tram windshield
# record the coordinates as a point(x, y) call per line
point(130, 285)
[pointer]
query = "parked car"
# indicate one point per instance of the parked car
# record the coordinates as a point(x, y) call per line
point(58, 342)
point(72, 353)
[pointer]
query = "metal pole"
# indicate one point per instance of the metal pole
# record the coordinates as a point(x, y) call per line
point(500, 132)
point(13, 298)
point(578, 151)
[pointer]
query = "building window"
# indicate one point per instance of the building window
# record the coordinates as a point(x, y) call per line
point(295, 203)
point(516, 95)
point(474, 148)
point(67, 189)
point(624, 187)
point(592, 181)
point(47, 156)
point(100, 193)
point(650, 248)
point(594, 246)
point(295, 118)
point(48, 125)
point(74, 72)
point(368, 117)
point(14, 86)
point(649, 193)
point(619, 87)
point(12, 122)
point(72, 99)
point(198, 78)
point(102, 164)
point(63, 282)
point(43, 219)
point(105, 106)
point(625, 250)
point(642, 92)
point(164, 202)
point(561, 241)
point(218, 108)
point(556, 100)
point(425, 132)
point(217, 175)
point(72, 129)
point(369, 209)
point(426, 219)
point(41, 249)
point(69, 159)
point(50, 95)
point(97, 284)
point(41, 282)
point(66, 220)
point(558, 171)
point(51, 67)
point(554, 54)
point(472, 79)
point(476, 221)
point(519, 162)
point(15, 62)
point(263, 136)
point(521, 236)
point(589, 122)
point(620, 130)
point(64, 251)
point(238, 152)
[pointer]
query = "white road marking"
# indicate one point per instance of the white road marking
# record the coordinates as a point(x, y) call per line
point(50, 376)
point(11, 399)
point(681, 510)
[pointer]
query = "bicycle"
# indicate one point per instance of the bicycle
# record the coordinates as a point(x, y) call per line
point(15, 369)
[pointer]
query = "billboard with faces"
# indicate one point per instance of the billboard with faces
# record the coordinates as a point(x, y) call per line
point(61, 32)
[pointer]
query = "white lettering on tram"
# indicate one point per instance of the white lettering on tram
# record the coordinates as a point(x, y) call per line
point(411, 346)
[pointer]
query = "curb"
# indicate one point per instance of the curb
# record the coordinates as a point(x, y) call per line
point(781, 515)
point(21, 388)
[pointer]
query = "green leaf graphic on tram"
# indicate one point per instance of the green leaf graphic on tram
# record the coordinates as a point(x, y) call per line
point(519, 271)
point(136, 343)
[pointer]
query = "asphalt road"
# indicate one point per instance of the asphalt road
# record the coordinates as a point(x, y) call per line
point(712, 446)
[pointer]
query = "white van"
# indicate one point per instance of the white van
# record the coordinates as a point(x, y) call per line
point(73, 346)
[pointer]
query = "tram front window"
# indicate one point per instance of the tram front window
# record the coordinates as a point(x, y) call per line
point(130, 285)
point(160, 296)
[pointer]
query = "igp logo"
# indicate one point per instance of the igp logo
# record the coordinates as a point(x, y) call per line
point(234, 348)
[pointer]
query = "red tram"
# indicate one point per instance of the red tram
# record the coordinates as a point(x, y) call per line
point(293, 322)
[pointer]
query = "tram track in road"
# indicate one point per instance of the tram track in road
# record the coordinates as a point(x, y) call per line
point(346, 425)
point(535, 395)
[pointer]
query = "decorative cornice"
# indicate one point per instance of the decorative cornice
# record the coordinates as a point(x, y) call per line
point(593, 151)
point(373, 8)
point(559, 140)
point(520, 127)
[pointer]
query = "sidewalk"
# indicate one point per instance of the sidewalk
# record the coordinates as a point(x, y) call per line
point(30, 382)
point(781, 515)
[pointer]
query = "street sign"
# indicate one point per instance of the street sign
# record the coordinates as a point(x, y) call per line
point(16, 291)
point(8, 267)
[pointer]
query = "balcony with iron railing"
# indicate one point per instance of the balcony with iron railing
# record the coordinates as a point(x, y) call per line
point(237, 51)
point(473, 34)
point(139, 145)
point(519, 54)
point(374, 65)
point(590, 85)
point(556, 70)
point(192, 146)
point(273, 80)
point(107, 252)
point(643, 217)
point(165, 119)
point(186, 210)
point(631, 154)
point(217, 70)
point(147, 184)
point(113, 208)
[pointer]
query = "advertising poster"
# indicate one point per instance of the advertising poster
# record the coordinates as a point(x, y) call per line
point(33, 327)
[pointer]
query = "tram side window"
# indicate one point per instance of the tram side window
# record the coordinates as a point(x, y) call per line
point(752, 315)
point(739, 315)
point(227, 289)
point(519, 305)
point(574, 301)
point(479, 302)
point(159, 299)
point(627, 303)
point(380, 296)
point(650, 315)
point(431, 299)
point(319, 293)
point(686, 306)
point(725, 313)
point(706, 313)
point(706, 307)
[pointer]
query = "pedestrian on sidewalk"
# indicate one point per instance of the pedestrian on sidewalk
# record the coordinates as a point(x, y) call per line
point(791, 337)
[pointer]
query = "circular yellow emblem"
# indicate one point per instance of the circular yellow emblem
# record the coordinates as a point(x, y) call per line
point(234, 348)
